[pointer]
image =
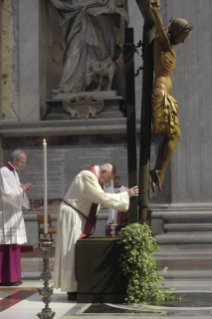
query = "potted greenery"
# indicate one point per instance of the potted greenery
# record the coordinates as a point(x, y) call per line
point(138, 263)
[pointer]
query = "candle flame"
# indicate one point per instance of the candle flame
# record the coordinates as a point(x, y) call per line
point(44, 141)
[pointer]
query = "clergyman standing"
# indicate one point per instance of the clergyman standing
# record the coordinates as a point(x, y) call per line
point(12, 227)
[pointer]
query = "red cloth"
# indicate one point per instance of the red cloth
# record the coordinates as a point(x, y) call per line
point(91, 220)
point(123, 219)
point(10, 263)
point(9, 167)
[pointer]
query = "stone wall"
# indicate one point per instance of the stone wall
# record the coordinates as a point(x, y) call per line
point(192, 82)
point(10, 60)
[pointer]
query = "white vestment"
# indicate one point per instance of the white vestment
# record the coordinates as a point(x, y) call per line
point(12, 227)
point(115, 212)
point(83, 191)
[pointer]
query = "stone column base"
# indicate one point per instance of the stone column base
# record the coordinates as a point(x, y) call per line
point(183, 223)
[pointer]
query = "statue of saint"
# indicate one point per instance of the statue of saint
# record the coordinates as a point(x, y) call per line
point(164, 106)
point(91, 30)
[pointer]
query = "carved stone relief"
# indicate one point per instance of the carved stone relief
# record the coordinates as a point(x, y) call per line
point(83, 106)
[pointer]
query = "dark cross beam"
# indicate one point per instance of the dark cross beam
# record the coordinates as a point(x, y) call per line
point(129, 50)
point(149, 31)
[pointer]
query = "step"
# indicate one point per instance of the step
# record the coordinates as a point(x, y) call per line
point(196, 237)
point(188, 227)
point(187, 274)
point(188, 216)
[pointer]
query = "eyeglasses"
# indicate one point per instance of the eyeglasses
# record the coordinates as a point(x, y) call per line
point(23, 163)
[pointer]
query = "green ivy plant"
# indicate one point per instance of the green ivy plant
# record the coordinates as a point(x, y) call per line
point(138, 263)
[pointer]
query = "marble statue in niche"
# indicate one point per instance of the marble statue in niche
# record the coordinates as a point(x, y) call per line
point(92, 31)
point(164, 106)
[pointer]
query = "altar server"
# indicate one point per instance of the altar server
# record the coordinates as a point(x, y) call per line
point(12, 228)
point(77, 217)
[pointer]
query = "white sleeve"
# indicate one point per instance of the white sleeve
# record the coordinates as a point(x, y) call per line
point(94, 193)
point(10, 195)
point(123, 188)
point(25, 202)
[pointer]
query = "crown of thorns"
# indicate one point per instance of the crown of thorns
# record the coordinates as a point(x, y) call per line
point(180, 25)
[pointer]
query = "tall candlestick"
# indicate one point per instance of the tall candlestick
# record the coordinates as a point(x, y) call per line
point(45, 185)
point(112, 191)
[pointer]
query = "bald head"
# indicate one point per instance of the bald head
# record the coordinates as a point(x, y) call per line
point(18, 159)
point(109, 167)
point(107, 171)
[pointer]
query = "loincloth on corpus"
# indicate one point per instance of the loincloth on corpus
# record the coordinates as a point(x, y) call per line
point(164, 113)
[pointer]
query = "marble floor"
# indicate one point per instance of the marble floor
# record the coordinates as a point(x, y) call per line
point(189, 276)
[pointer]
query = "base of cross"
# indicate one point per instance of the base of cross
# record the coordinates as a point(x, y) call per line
point(99, 277)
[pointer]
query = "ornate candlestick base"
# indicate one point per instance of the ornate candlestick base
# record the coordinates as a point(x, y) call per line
point(113, 226)
point(46, 291)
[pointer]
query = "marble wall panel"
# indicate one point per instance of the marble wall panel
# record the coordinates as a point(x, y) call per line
point(29, 60)
point(10, 62)
point(192, 82)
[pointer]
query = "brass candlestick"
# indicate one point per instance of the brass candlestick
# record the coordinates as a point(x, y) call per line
point(46, 291)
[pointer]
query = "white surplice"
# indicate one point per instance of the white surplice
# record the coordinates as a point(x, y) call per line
point(12, 227)
point(118, 190)
point(83, 191)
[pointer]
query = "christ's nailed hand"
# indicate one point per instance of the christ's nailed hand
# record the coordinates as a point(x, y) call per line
point(153, 4)
point(134, 191)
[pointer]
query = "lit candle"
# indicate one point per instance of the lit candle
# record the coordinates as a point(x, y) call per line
point(45, 185)
point(112, 191)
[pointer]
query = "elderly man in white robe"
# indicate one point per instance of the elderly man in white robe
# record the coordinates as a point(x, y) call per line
point(77, 217)
point(12, 228)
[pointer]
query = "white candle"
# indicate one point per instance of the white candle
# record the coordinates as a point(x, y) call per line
point(45, 185)
point(112, 191)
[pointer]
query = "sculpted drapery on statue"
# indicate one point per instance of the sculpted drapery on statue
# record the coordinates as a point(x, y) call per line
point(164, 107)
point(91, 30)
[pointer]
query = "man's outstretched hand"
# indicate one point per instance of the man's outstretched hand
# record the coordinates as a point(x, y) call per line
point(134, 191)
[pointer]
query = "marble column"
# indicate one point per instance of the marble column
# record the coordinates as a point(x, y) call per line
point(9, 61)
point(0, 60)
point(32, 43)
point(29, 60)
point(192, 82)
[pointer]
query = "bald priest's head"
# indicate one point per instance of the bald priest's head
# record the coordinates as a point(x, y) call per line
point(107, 172)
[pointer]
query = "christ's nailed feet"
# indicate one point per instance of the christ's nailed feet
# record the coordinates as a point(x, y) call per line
point(160, 178)
point(153, 180)
point(156, 180)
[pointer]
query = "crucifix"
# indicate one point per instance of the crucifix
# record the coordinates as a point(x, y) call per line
point(149, 31)
point(158, 101)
